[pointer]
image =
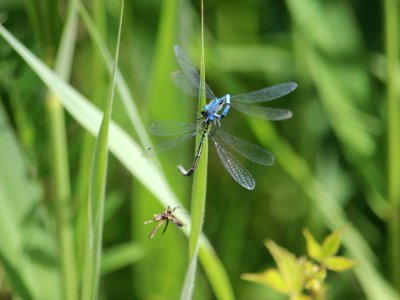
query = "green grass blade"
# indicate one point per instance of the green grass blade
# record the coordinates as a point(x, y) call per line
point(98, 75)
point(60, 160)
point(216, 272)
point(122, 87)
point(199, 188)
point(122, 146)
point(121, 256)
point(393, 112)
point(97, 189)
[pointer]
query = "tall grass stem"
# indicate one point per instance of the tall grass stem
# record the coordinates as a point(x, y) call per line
point(60, 160)
point(199, 188)
point(393, 137)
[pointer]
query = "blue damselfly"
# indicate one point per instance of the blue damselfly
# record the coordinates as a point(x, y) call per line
point(210, 122)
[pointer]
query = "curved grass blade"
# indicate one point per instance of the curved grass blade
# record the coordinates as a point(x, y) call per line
point(261, 112)
point(266, 94)
point(248, 150)
point(235, 168)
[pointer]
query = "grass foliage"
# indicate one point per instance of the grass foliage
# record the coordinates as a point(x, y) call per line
point(337, 159)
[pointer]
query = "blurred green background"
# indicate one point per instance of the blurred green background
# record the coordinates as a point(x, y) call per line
point(337, 159)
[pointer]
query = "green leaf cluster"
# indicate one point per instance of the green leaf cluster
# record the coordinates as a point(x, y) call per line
point(303, 278)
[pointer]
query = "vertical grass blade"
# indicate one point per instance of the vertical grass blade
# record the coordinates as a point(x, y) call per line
point(199, 188)
point(60, 159)
point(393, 112)
point(97, 192)
point(122, 87)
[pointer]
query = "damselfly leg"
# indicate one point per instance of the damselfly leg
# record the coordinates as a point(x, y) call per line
point(164, 218)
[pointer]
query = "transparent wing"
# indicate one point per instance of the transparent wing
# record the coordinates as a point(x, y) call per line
point(192, 75)
point(171, 128)
point(182, 130)
point(181, 81)
point(235, 169)
point(250, 151)
point(265, 94)
point(262, 112)
point(167, 145)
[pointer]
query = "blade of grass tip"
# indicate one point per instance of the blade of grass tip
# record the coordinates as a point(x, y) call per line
point(199, 188)
point(60, 159)
point(97, 192)
point(393, 163)
point(122, 87)
point(126, 150)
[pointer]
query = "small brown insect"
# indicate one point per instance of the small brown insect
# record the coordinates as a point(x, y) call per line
point(162, 218)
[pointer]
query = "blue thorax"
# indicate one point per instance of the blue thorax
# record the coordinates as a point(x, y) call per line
point(210, 110)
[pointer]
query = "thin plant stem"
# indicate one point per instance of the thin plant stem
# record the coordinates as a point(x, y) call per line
point(97, 190)
point(60, 160)
point(199, 188)
point(393, 159)
point(200, 177)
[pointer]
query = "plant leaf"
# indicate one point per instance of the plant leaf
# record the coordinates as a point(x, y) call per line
point(271, 278)
point(314, 249)
point(339, 263)
point(289, 268)
point(331, 243)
